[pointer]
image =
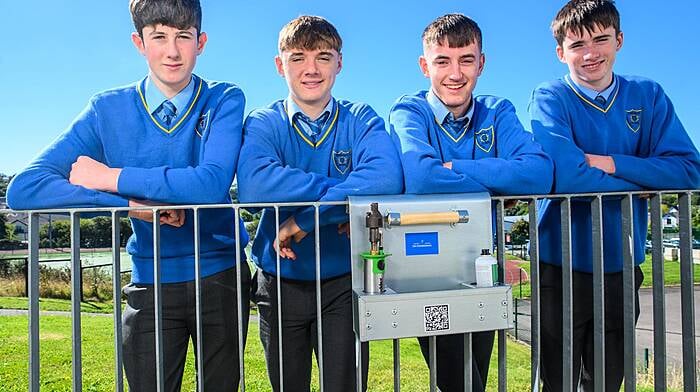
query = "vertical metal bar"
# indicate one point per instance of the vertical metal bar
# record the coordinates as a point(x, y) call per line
point(279, 302)
point(468, 362)
point(239, 300)
point(116, 301)
point(628, 293)
point(534, 297)
point(158, 303)
point(76, 283)
point(598, 295)
point(432, 359)
point(33, 292)
point(397, 365)
point(659, 299)
point(690, 382)
point(198, 301)
point(319, 318)
point(358, 363)
point(501, 254)
point(566, 296)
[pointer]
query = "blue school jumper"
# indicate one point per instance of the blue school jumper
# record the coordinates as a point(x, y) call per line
point(352, 155)
point(191, 162)
point(494, 153)
point(639, 129)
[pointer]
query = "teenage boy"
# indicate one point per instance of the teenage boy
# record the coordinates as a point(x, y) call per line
point(311, 147)
point(605, 132)
point(169, 138)
point(451, 141)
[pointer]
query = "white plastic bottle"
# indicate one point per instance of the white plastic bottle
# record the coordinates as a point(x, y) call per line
point(486, 269)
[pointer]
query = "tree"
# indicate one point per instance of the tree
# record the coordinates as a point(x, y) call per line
point(3, 226)
point(520, 232)
point(519, 209)
point(4, 181)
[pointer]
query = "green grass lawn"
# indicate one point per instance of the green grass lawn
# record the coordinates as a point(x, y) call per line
point(98, 359)
point(672, 275)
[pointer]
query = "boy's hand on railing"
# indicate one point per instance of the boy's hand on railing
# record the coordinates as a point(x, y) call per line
point(95, 175)
point(289, 230)
point(344, 228)
point(170, 217)
point(602, 162)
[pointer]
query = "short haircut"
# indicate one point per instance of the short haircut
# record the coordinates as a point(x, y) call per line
point(309, 32)
point(579, 15)
point(181, 14)
point(457, 30)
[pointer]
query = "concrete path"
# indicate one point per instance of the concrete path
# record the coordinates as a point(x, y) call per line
point(645, 325)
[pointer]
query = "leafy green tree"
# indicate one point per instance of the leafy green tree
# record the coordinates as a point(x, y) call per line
point(519, 209)
point(4, 181)
point(520, 232)
point(3, 226)
point(60, 234)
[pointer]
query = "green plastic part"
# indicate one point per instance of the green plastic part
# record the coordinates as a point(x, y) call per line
point(376, 259)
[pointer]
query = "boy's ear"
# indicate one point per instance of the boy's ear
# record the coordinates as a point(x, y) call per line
point(340, 63)
point(560, 54)
point(279, 65)
point(620, 39)
point(138, 42)
point(201, 41)
point(482, 62)
point(423, 64)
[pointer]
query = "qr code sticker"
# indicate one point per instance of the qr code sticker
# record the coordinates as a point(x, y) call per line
point(437, 318)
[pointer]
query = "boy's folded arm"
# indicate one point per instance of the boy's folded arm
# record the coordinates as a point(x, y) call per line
point(572, 173)
point(206, 182)
point(45, 182)
point(522, 167)
point(263, 176)
point(423, 168)
point(673, 161)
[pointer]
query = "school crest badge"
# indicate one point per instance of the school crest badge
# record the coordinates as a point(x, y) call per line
point(342, 160)
point(483, 139)
point(202, 124)
point(633, 119)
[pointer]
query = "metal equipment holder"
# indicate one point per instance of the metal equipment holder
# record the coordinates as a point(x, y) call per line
point(430, 243)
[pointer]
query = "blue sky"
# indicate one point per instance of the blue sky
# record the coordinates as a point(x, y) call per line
point(56, 54)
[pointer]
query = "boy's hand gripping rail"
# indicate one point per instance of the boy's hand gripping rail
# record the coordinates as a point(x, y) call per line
point(427, 218)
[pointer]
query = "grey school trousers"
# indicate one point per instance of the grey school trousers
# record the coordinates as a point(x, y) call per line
point(299, 332)
point(220, 331)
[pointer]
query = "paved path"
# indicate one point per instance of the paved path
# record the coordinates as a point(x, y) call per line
point(645, 325)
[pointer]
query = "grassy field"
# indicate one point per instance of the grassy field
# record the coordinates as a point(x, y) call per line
point(672, 275)
point(98, 359)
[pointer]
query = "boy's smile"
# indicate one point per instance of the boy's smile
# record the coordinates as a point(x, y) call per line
point(171, 54)
point(591, 56)
point(453, 73)
point(310, 75)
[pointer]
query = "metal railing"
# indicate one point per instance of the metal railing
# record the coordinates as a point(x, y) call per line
point(690, 371)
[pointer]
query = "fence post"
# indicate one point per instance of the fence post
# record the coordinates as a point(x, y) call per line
point(25, 272)
point(82, 294)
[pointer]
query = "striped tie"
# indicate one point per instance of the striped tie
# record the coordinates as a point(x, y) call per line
point(167, 112)
point(600, 100)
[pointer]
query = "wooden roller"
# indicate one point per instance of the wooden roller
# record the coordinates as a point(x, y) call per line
point(426, 218)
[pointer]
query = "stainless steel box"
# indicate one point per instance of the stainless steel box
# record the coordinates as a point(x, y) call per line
point(430, 275)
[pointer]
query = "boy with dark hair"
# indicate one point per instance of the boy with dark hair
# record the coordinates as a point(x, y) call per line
point(451, 141)
point(170, 138)
point(311, 147)
point(605, 132)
